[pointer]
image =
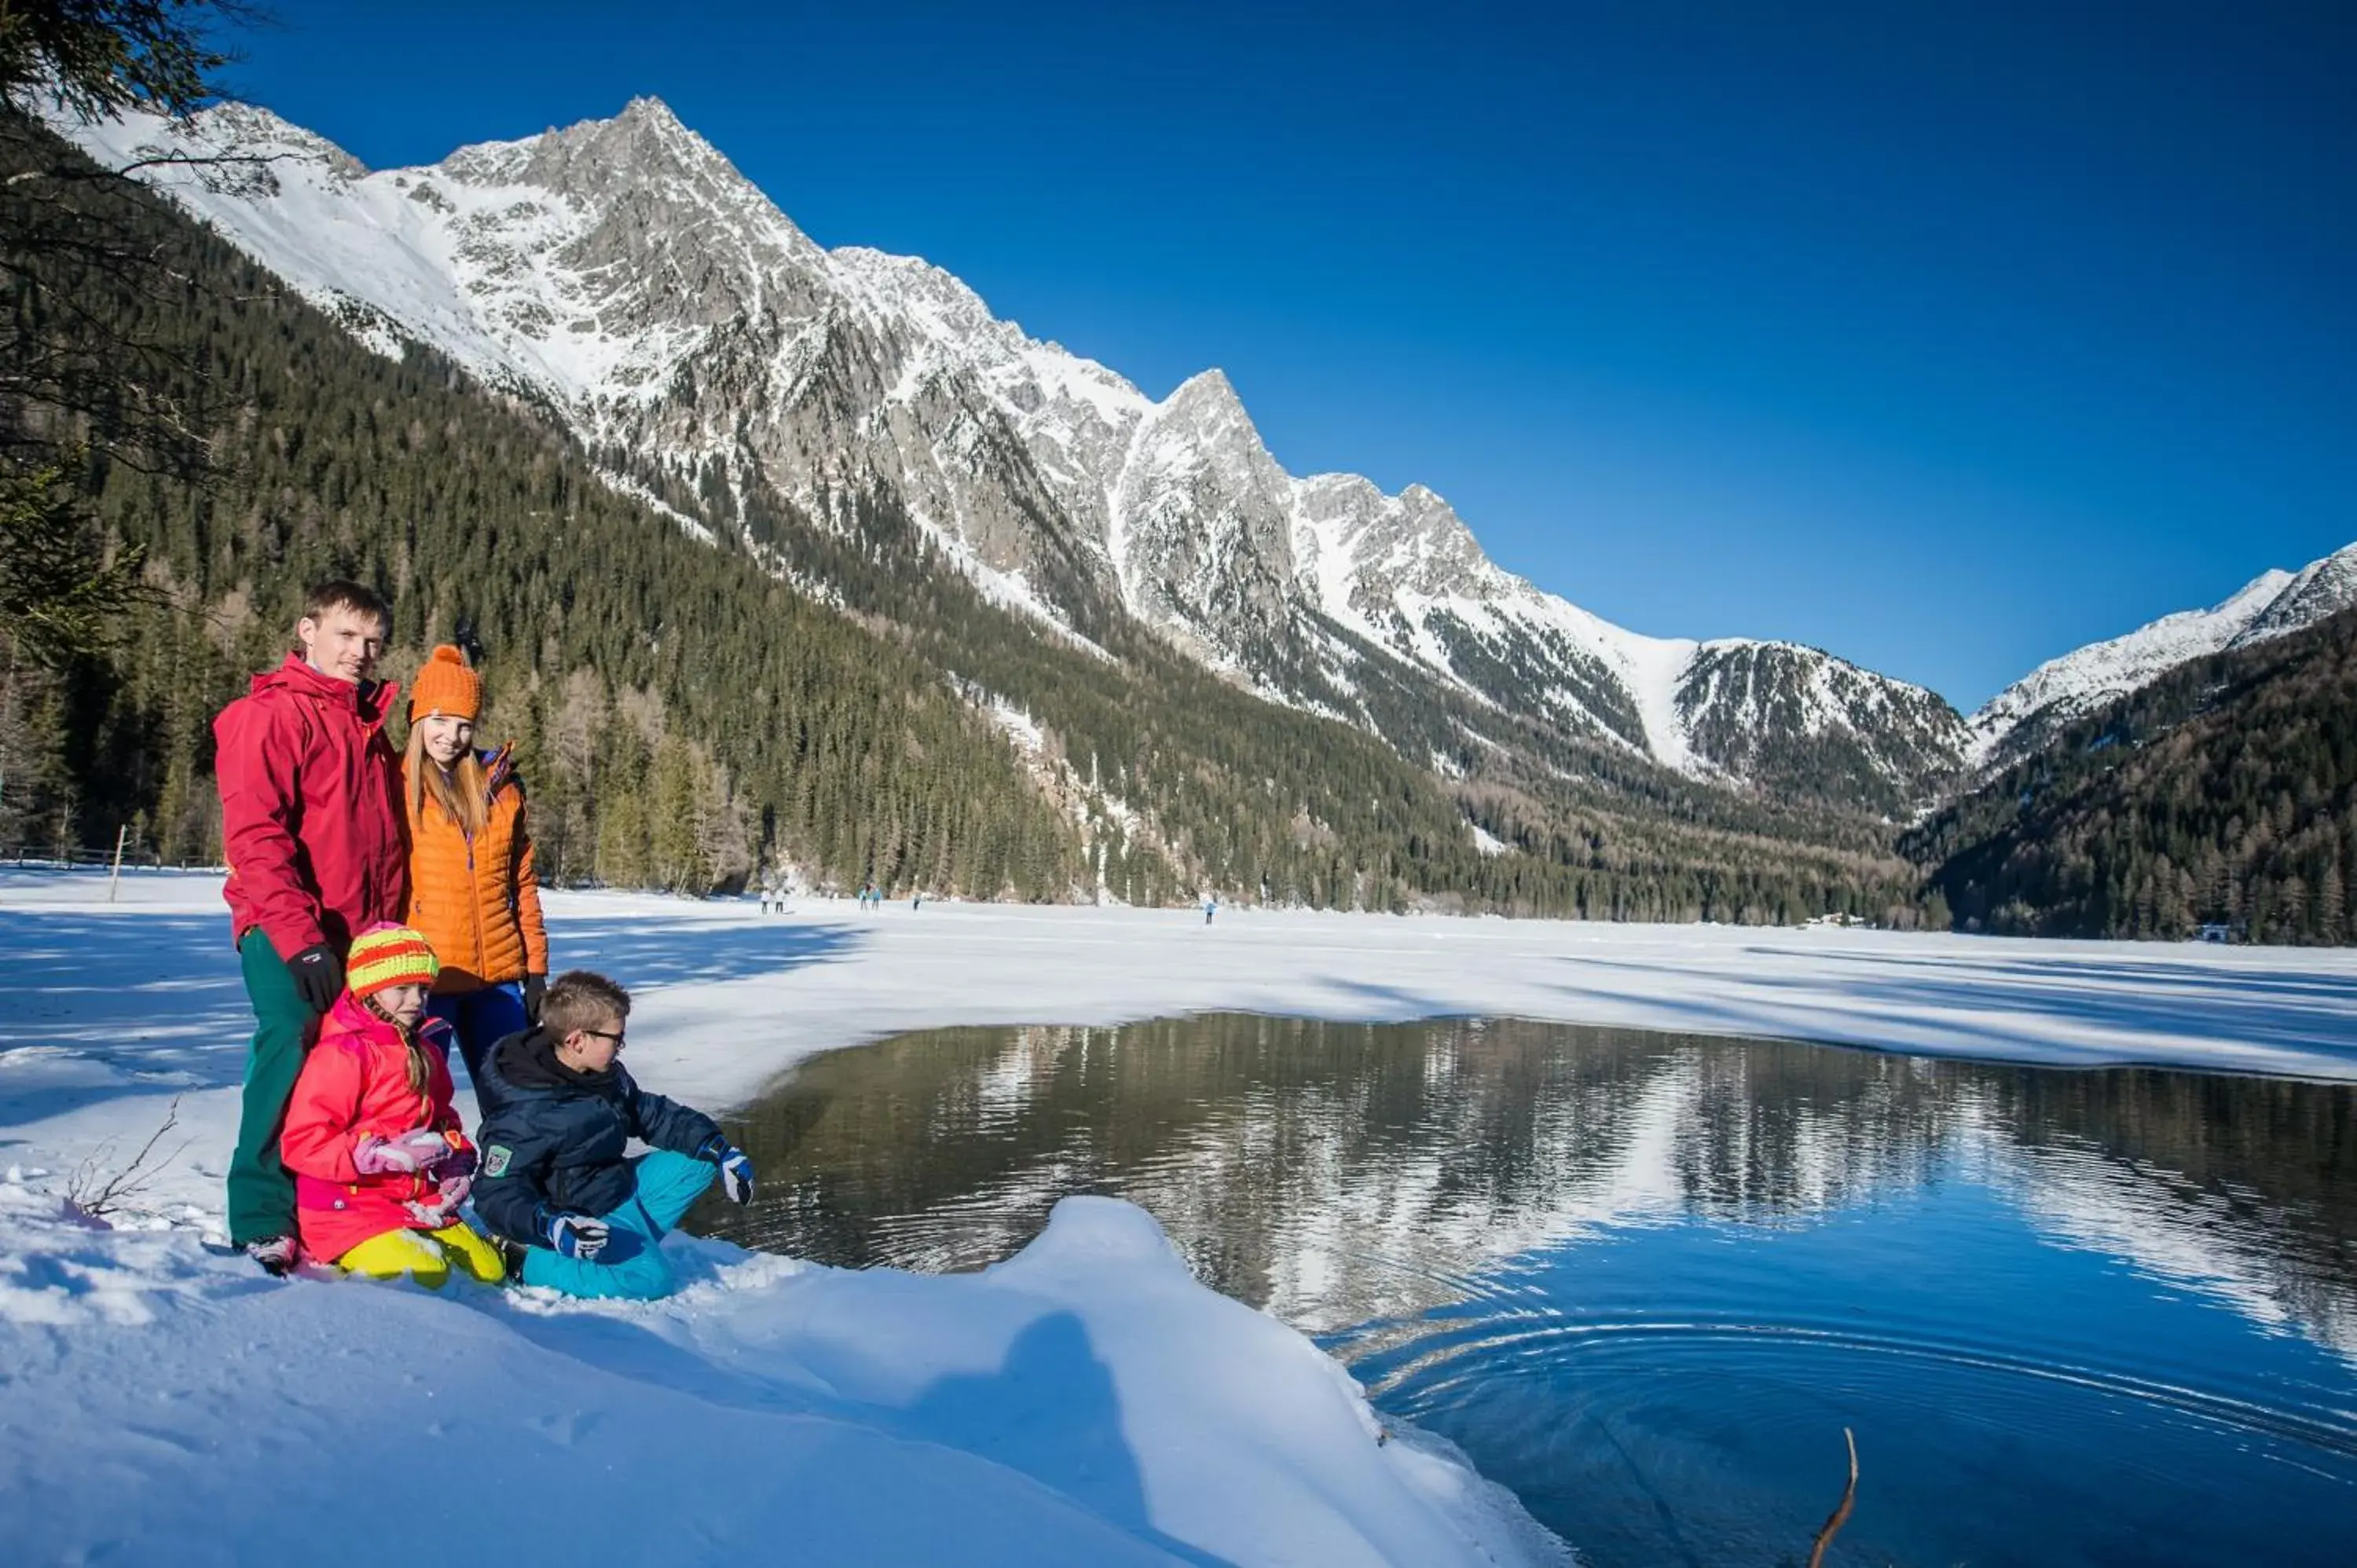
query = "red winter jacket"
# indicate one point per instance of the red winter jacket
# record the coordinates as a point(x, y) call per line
point(310, 809)
point(356, 1082)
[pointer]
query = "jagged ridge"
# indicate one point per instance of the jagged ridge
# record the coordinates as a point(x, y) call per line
point(557, 266)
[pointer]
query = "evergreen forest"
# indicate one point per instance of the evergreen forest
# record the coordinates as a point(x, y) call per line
point(710, 687)
point(2225, 794)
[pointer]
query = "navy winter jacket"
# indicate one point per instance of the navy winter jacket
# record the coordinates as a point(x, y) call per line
point(553, 1140)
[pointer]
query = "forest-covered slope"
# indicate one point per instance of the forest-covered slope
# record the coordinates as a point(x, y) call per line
point(2223, 792)
point(687, 717)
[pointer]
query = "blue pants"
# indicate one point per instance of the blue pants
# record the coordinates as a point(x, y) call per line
point(631, 1267)
point(482, 1020)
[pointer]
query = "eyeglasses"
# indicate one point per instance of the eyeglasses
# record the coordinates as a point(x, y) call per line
point(605, 1035)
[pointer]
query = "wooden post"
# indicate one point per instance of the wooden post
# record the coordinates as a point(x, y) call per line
point(115, 880)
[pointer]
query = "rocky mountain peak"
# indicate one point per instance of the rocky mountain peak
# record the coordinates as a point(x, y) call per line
point(627, 270)
point(2019, 719)
point(1204, 421)
point(2323, 588)
point(1450, 557)
point(248, 129)
point(1207, 395)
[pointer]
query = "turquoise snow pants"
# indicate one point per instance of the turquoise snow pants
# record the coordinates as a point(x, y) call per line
point(632, 1268)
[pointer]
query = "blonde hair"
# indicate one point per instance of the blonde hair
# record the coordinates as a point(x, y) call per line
point(419, 1071)
point(464, 792)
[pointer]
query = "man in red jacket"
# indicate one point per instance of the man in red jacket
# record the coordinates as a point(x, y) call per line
point(310, 796)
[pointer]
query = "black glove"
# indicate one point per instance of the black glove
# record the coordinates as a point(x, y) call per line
point(535, 986)
point(318, 976)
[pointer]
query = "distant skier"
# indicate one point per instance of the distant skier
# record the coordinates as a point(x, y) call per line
point(1211, 908)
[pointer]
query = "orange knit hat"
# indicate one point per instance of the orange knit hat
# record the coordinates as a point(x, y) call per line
point(445, 686)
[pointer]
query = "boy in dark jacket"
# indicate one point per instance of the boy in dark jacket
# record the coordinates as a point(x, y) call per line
point(559, 1111)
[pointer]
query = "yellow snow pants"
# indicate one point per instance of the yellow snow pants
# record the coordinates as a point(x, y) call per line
point(425, 1256)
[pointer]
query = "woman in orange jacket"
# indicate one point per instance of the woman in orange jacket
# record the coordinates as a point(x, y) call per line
point(471, 888)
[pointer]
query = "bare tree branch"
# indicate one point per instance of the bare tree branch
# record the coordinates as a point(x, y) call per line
point(1841, 1515)
point(97, 1197)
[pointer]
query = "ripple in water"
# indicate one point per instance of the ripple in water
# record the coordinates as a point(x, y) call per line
point(1646, 1280)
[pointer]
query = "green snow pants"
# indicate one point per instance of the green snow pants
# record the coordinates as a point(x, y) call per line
point(261, 1188)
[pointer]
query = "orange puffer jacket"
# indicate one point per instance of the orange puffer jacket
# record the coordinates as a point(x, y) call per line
point(479, 902)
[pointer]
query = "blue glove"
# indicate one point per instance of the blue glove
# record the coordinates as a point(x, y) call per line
point(736, 1170)
point(577, 1236)
point(737, 1177)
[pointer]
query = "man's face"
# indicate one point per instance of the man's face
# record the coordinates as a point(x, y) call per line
point(344, 642)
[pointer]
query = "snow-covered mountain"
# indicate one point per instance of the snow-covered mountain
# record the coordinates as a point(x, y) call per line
point(624, 273)
point(2020, 718)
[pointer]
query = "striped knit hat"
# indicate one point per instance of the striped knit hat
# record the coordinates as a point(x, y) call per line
point(387, 955)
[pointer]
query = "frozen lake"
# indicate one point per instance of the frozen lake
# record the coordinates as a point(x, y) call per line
point(2157, 1275)
point(1646, 1279)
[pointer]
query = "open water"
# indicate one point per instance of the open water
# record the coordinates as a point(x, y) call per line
point(1647, 1280)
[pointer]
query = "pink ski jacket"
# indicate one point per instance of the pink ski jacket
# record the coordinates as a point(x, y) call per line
point(355, 1082)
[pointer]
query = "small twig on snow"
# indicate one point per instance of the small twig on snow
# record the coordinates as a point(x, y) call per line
point(98, 1198)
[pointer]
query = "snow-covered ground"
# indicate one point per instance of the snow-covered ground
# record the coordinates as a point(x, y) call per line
point(1084, 1402)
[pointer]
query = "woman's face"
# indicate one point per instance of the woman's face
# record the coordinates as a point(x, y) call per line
point(447, 739)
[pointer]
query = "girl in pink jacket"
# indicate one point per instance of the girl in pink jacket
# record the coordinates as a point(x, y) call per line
point(381, 1163)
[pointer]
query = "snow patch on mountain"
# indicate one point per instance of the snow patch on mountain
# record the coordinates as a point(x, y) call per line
point(625, 272)
point(2322, 589)
point(2271, 604)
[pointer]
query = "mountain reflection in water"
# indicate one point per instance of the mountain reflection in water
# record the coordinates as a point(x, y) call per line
point(1342, 1173)
point(2074, 1317)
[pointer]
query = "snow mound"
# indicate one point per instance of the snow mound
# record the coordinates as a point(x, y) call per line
point(1085, 1403)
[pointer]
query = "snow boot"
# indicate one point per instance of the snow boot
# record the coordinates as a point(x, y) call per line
point(277, 1254)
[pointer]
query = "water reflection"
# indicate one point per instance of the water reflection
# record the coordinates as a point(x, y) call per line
point(1344, 1175)
point(1645, 1279)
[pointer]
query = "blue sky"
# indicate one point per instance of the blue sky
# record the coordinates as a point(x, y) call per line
point(1945, 337)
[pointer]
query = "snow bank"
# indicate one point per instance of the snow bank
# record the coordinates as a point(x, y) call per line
point(1085, 1403)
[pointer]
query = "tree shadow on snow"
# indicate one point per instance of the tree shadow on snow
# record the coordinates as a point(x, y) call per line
point(1981, 1014)
point(2156, 975)
point(667, 953)
point(155, 1003)
point(145, 1003)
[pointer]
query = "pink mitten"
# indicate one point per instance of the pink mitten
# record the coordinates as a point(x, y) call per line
point(409, 1152)
point(444, 1209)
point(425, 1146)
point(373, 1156)
point(458, 1161)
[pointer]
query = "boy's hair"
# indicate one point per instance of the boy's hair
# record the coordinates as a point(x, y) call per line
point(343, 594)
point(581, 999)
